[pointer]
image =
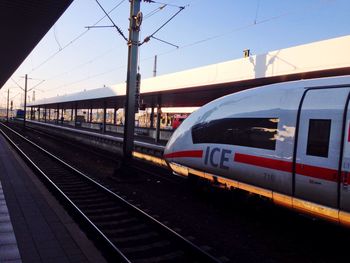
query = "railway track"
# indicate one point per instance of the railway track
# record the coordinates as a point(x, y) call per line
point(122, 230)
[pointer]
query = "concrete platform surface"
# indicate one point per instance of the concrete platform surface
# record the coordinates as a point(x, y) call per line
point(34, 227)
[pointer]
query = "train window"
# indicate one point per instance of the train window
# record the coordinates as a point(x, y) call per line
point(249, 132)
point(318, 137)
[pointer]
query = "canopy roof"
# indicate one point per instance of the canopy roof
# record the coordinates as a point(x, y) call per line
point(198, 86)
point(23, 23)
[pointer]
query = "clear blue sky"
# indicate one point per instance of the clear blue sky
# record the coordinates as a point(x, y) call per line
point(229, 26)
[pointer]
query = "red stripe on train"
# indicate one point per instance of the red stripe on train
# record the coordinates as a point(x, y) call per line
point(285, 166)
point(263, 162)
point(193, 154)
point(317, 172)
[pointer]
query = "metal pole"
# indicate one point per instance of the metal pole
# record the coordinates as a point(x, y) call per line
point(115, 116)
point(75, 114)
point(58, 114)
point(159, 114)
point(152, 117)
point(8, 102)
point(104, 118)
point(155, 66)
point(133, 43)
point(25, 101)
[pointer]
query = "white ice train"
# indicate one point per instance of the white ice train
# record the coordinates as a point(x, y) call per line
point(289, 142)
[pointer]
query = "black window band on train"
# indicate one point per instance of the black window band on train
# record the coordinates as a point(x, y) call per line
point(249, 132)
point(318, 137)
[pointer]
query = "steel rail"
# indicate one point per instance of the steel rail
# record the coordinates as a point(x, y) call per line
point(206, 257)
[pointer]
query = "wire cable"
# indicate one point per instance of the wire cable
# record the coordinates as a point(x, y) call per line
point(54, 33)
point(73, 40)
point(155, 11)
point(17, 84)
point(164, 24)
point(162, 3)
point(81, 65)
point(228, 32)
point(41, 82)
point(110, 19)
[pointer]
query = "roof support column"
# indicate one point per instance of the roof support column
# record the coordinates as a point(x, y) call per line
point(75, 114)
point(71, 114)
point(39, 113)
point(25, 101)
point(62, 116)
point(90, 115)
point(49, 114)
point(159, 114)
point(7, 107)
point(152, 117)
point(104, 117)
point(115, 116)
point(58, 113)
point(45, 114)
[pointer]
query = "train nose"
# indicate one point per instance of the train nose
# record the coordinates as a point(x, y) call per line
point(167, 151)
point(172, 147)
point(174, 143)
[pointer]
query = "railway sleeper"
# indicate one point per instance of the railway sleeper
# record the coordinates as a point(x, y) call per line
point(90, 199)
point(108, 216)
point(139, 236)
point(129, 230)
point(93, 206)
point(115, 224)
point(170, 257)
point(97, 211)
point(137, 240)
point(149, 250)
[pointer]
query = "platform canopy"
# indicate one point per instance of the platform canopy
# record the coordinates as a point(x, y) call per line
point(23, 23)
point(195, 87)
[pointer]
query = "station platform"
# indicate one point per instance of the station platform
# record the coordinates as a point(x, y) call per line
point(34, 227)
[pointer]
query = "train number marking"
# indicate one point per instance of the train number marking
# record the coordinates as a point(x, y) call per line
point(209, 157)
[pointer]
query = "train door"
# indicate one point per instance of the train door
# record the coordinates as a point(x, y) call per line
point(345, 175)
point(318, 146)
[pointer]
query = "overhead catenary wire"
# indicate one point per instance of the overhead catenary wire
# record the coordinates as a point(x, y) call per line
point(73, 40)
point(121, 33)
point(86, 78)
point(155, 11)
point(19, 86)
point(228, 32)
point(210, 38)
point(181, 8)
point(257, 11)
point(55, 35)
point(35, 86)
point(81, 65)
point(110, 19)
point(162, 3)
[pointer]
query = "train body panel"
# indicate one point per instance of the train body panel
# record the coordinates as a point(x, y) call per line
point(250, 136)
point(319, 141)
point(279, 109)
point(345, 179)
